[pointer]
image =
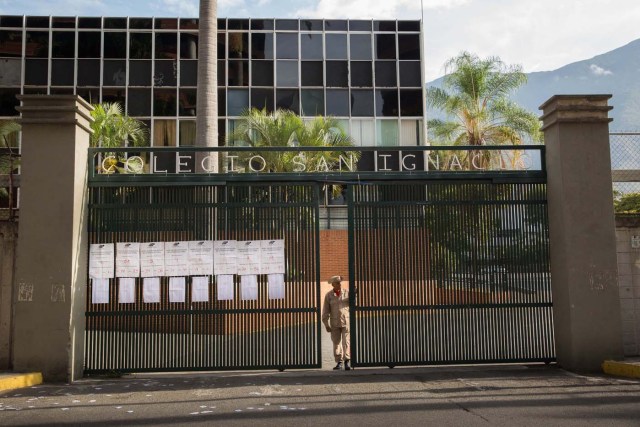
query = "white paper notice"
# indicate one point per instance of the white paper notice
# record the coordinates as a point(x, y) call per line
point(248, 287)
point(152, 259)
point(101, 258)
point(200, 289)
point(100, 291)
point(176, 258)
point(177, 289)
point(248, 257)
point(276, 286)
point(201, 258)
point(127, 291)
point(127, 259)
point(225, 287)
point(225, 257)
point(271, 256)
point(151, 290)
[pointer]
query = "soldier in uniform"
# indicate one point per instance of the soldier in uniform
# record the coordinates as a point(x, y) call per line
point(335, 316)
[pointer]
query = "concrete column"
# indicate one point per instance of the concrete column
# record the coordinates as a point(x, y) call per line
point(586, 305)
point(8, 235)
point(51, 265)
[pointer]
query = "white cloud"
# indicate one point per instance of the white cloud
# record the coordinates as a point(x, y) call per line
point(373, 9)
point(599, 71)
point(177, 7)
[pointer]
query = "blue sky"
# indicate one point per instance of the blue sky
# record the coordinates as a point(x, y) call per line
point(538, 34)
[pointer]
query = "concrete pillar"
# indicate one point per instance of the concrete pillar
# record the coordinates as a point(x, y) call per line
point(586, 305)
point(8, 235)
point(51, 265)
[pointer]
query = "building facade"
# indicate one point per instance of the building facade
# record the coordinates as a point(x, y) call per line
point(366, 73)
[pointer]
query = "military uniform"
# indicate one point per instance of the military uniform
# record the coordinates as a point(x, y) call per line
point(335, 316)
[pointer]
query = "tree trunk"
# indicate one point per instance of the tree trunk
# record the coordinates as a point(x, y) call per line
point(207, 106)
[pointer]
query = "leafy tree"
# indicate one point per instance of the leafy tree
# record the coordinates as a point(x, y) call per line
point(474, 98)
point(9, 159)
point(626, 203)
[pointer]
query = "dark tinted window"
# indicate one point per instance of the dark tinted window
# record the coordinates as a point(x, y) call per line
point(262, 46)
point(311, 25)
point(139, 73)
point(238, 45)
point(189, 46)
point(165, 73)
point(359, 25)
point(222, 106)
point(262, 73)
point(37, 44)
point(89, 44)
point(238, 73)
point(287, 24)
point(337, 102)
point(63, 44)
point(360, 46)
point(9, 102)
point(89, 94)
point(115, 45)
point(408, 25)
point(11, 72)
point(11, 21)
point(312, 102)
point(409, 46)
point(141, 23)
point(166, 46)
point(139, 102)
point(410, 74)
point(189, 74)
point(288, 99)
point(335, 25)
point(189, 24)
point(222, 24)
point(115, 73)
point(62, 72)
point(385, 46)
point(115, 23)
point(384, 25)
point(411, 102)
point(361, 74)
point(262, 24)
point(337, 73)
point(38, 21)
point(36, 72)
point(140, 46)
point(164, 102)
point(222, 73)
point(311, 46)
point(262, 99)
point(386, 74)
point(237, 101)
point(387, 103)
point(64, 22)
point(287, 73)
point(336, 45)
point(89, 22)
point(114, 95)
point(61, 91)
point(362, 103)
point(311, 73)
point(286, 46)
point(222, 46)
point(166, 24)
point(11, 44)
point(187, 102)
point(88, 72)
point(238, 24)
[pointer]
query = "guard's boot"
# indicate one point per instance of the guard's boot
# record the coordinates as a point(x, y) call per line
point(338, 367)
point(347, 367)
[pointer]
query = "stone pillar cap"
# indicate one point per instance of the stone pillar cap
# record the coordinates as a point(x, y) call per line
point(576, 109)
point(55, 109)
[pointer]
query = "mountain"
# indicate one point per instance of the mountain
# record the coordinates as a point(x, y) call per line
point(616, 72)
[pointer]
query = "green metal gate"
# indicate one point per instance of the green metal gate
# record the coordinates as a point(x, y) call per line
point(213, 335)
point(449, 272)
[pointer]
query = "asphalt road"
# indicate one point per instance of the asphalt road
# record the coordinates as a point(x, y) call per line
point(513, 395)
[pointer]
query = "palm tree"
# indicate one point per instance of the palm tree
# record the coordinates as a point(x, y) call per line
point(111, 128)
point(8, 160)
point(474, 98)
point(207, 103)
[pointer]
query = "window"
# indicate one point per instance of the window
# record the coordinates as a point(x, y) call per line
point(141, 23)
point(287, 24)
point(411, 102)
point(311, 25)
point(410, 74)
point(222, 104)
point(37, 44)
point(165, 73)
point(385, 46)
point(262, 99)
point(335, 25)
point(189, 73)
point(115, 45)
point(139, 102)
point(187, 102)
point(361, 46)
point(409, 46)
point(164, 134)
point(411, 132)
point(11, 72)
point(164, 102)
point(62, 72)
point(238, 45)
point(262, 24)
point(361, 74)
point(188, 46)
point(237, 101)
point(359, 25)
point(166, 45)
point(9, 102)
point(36, 72)
point(311, 46)
point(262, 46)
point(312, 102)
point(64, 22)
point(114, 73)
point(286, 46)
point(114, 95)
point(238, 73)
point(63, 44)
point(362, 103)
point(287, 73)
point(311, 73)
point(139, 73)
point(387, 103)
point(386, 74)
point(363, 132)
point(89, 44)
point(89, 72)
point(188, 133)
point(262, 73)
point(337, 73)
point(387, 132)
point(288, 99)
point(166, 24)
point(140, 46)
point(11, 44)
point(338, 102)
point(336, 45)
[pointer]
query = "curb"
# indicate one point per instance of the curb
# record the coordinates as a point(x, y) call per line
point(621, 369)
point(14, 381)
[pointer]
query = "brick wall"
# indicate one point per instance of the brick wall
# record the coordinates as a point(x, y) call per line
point(629, 282)
point(334, 254)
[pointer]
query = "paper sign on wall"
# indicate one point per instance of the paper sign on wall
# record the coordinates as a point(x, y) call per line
point(101, 257)
point(151, 290)
point(276, 286)
point(225, 287)
point(152, 259)
point(201, 258)
point(248, 260)
point(272, 256)
point(200, 289)
point(176, 258)
point(127, 291)
point(127, 259)
point(177, 289)
point(100, 291)
point(225, 257)
point(249, 287)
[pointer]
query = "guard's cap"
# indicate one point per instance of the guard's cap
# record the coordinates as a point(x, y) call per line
point(334, 279)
